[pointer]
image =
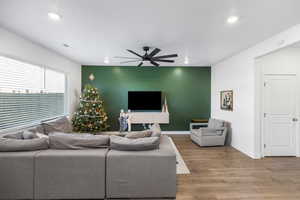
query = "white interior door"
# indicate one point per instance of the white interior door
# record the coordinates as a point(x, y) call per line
point(280, 115)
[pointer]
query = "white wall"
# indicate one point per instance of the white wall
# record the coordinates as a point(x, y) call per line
point(14, 46)
point(239, 74)
point(284, 61)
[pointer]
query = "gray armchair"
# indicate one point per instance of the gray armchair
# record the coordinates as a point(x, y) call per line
point(213, 135)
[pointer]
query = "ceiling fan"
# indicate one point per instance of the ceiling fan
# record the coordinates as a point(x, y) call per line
point(150, 57)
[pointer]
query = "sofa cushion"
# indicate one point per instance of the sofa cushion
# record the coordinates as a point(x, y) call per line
point(77, 141)
point(23, 145)
point(215, 123)
point(61, 124)
point(156, 131)
point(139, 144)
point(70, 174)
point(16, 175)
point(142, 174)
point(37, 129)
point(21, 135)
point(139, 134)
point(15, 135)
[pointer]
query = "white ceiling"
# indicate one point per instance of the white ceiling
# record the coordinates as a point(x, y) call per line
point(96, 29)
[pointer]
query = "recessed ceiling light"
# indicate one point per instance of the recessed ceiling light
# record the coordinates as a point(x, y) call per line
point(232, 19)
point(54, 16)
point(106, 60)
point(186, 60)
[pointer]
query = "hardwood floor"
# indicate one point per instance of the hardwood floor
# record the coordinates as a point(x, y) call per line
point(223, 173)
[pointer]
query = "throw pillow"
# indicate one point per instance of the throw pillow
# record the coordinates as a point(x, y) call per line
point(140, 144)
point(37, 129)
point(41, 135)
point(58, 125)
point(156, 131)
point(139, 134)
point(27, 135)
point(17, 135)
point(215, 123)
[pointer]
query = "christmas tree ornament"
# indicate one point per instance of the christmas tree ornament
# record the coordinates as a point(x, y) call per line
point(92, 77)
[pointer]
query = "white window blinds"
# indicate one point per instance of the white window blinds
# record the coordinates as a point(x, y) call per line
point(29, 93)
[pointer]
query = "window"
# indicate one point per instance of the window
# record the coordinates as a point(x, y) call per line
point(29, 93)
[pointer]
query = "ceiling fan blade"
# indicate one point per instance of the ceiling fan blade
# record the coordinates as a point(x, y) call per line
point(124, 57)
point(159, 60)
point(154, 52)
point(141, 63)
point(166, 56)
point(130, 61)
point(154, 63)
point(134, 53)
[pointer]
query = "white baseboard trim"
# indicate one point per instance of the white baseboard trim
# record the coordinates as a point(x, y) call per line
point(176, 132)
point(245, 152)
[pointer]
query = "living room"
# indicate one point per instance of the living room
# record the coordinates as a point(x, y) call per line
point(149, 100)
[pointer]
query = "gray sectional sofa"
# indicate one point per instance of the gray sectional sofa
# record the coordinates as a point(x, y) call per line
point(99, 173)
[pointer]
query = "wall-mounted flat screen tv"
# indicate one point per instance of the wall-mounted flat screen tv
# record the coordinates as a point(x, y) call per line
point(144, 100)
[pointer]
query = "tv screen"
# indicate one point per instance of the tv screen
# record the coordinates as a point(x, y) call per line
point(144, 100)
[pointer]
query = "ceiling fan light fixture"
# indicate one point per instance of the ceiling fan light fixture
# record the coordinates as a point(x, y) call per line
point(151, 57)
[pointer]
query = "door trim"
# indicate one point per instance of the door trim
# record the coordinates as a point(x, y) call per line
point(258, 117)
point(262, 113)
point(258, 112)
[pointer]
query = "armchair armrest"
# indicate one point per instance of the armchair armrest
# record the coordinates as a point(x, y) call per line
point(212, 131)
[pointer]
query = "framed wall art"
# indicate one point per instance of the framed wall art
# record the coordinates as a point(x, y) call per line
point(226, 100)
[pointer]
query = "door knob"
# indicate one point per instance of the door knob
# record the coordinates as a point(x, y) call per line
point(295, 119)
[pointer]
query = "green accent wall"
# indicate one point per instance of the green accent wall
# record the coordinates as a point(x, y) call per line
point(188, 90)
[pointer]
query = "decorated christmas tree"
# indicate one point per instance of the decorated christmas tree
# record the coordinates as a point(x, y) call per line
point(90, 116)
